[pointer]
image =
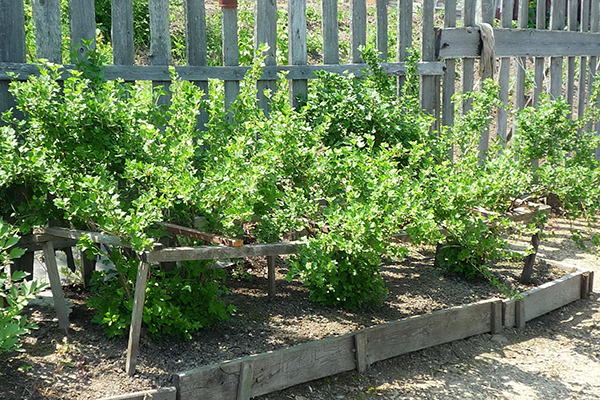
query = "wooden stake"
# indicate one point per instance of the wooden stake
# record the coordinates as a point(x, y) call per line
point(360, 343)
point(271, 273)
point(496, 317)
point(57, 294)
point(136, 318)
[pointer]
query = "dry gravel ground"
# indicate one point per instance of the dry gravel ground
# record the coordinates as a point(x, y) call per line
point(555, 357)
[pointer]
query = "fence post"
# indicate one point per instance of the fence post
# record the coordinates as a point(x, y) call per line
point(160, 42)
point(405, 12)
point(450, 73)
point(382, 29)
point(428, 54)
point(297, 48)
point(583, 27)
point(557, 23)
point(265, 32)
point(504, 75)
point(330, 26)
point(230, 51)
point(48, 32)
point(195, 46)
point(82, 21)
point(540, 61)
point(468, 63)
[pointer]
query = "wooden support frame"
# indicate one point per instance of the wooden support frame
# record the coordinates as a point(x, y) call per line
point(60, 303)
point(136, 318)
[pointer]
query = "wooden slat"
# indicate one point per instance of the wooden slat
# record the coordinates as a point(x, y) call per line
point(208, 237)
point(195, 46)
point(419, 332)
point(95, 237)
point(464, 42)
point(361, 345)
point(540, 24)
point(428, 54)
point(230, 51)
point(572, 26)
point(195, 73)
point(382, 28)
point(136, 318)
point(331, 46)
point(358, 28)
point(60, 303)
point(122, 32)
point(265, 32)
point(297, 48)
point(218, 252)
point(271, 371)
point(595, 27)
point(504, 76)
point(584, 26)
point(245, 385)
point(468, 77)
point(557, 23)
point(48, 32)
point(487, 17)
point(448, 87)
point(160, 42)
point(271, 276)
point(552, 295)
point(82, 21)
point(12, 43)
point(405, 23)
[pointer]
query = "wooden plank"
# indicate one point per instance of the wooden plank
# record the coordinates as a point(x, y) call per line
point(464, 42)
point(585, 286)
point(595, 27)
point(422, 331)
point(48, 32)
point(552, 295)
point(230, 51)
point(136, 318)
point(557, 23)
point(496, 317)
point(245, 384)
point(540, 24)
point(448, 87)
point(509, 313)
point(265, 32)
point(168, 393)
point(122, 32)
point(271, 276)
point(584, 26)
point(428, 54)
point(468, 77)
point(361, 345)
point(195, 46)
point(82, 21)
point(504, 76)
point(520, 314)
point(330, 28)
point(160, 43)
point(382, 28)
point(75, 234)
point(271, 371)
point(218, 252)
point(405, 25)
point(358, 28)
point(60, 303)
point(12, 44)
point(572, 26)
point(194, 73)
point(297, 49)
point(208, 237)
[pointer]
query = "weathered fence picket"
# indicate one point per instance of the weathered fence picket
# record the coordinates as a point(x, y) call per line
point(230, 51)
point(557, 23)
point(382, 28)
point(468, 78)
point(330, 26)
point(405, 24)
point(448, 88)
point(160, 43)
point(195, 45)
point(122, 32)
point(12, 43)
point(540, 23)
point(266, 33)
point(297, 48)
point(48, 33)
point(358, 29)
point(521, 62)
point(584, 26)
point(504, 76)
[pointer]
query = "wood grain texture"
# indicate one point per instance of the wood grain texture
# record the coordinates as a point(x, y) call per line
point(358, 28)
point(122, 32)
point(330, 28)
point(160, 43)
point(552, 295)
point(464, 42)
point(194, 73)
point(82, 21)
point(12, 43)
point(230, 51)
point(382, 28)
point(271, 371)
point(265, 32)
point(405, 25)
point(448, 87)
point(572, 25)
point(218, 252)
point(428, 54)
point(136, 318)
point(419, 332)
point(48, 32)
point(504, 76)
point(538, 87)
point(195, 47)
point(468, 76)
point(521, 62)
point(297, 49)
point(361, 345)
point(557, 23)
point(583, 27)
point(60, 304)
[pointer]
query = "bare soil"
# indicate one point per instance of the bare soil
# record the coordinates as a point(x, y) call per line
point(88, 365)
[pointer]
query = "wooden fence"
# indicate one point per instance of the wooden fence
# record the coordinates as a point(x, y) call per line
point(448, 44)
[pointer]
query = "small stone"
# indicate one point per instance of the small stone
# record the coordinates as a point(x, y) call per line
point(500, 339)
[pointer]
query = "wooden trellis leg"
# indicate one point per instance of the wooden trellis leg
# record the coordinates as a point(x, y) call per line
point(60, 303)
point(136, 318)
point(271, 273)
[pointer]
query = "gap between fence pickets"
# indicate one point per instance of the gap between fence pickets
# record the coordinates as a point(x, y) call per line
point(288, 367)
